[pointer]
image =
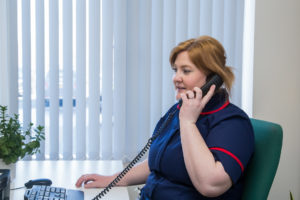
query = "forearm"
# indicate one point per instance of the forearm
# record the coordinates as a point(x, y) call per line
point(207, 175)
point(137, 175)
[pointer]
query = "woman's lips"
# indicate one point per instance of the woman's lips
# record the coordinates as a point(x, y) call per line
point(180, 89)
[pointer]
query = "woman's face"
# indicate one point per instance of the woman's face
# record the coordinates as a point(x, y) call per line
point(187, 75)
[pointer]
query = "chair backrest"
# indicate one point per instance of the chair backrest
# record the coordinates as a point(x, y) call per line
point(262, 168)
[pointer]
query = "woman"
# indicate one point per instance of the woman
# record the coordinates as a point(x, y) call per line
point(204, 150)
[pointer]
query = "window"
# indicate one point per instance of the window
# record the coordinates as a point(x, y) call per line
point(96, 73)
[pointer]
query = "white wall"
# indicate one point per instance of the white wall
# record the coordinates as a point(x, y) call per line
point(277, 84)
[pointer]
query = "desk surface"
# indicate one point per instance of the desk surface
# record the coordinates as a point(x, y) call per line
point(65, 174)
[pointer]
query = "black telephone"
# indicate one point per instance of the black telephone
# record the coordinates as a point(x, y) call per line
point(214, 80)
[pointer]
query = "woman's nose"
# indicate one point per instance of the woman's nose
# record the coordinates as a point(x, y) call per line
point(177, 77)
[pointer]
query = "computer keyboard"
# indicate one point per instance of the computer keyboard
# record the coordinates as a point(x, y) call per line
point(42, 192)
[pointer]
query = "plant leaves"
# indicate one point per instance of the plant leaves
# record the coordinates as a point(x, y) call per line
point(15, 141)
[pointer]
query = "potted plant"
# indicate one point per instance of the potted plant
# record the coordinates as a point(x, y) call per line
point(291, 196)
point(16, 141)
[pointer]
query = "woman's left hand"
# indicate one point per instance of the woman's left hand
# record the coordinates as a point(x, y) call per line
point(193, 104)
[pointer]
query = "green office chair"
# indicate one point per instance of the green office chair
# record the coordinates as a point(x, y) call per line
point(261, 170)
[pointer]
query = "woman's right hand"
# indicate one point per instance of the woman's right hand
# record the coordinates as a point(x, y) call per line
point(137, 175)
point(94, 181)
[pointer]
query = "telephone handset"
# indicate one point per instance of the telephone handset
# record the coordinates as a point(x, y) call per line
point(215, 79)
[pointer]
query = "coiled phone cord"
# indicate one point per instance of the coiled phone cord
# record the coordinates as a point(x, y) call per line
point(136, 159)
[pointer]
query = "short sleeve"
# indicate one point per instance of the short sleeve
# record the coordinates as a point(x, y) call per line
point(232, 143)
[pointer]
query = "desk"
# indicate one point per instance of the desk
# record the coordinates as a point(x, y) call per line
point(64, 174)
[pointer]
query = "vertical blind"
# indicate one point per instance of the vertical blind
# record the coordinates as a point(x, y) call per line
point(96, 73)
point(3, 54)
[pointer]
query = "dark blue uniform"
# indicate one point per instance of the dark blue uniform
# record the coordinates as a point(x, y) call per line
point(228, 133)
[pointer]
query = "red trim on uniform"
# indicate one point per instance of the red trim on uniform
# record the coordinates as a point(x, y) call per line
point(230, 154)
point(210, 112)
point(213, 111)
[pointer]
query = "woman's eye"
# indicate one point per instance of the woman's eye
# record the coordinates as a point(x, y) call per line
point(186, 71)
point(174, 69)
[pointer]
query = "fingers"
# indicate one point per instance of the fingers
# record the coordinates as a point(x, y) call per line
point(197, 94)
point(91, 184)
point(209, 94)
point(84, 179)
point(183, 97)
point(190, 94)
point(79, 181)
